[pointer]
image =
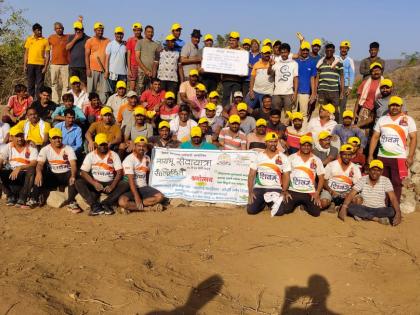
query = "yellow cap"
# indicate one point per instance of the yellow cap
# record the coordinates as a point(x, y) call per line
point(176, 26)
point(348, 113)
point(78, 25)
point(353, 140)
point(74, 79)
point(234, 119)
point(246, 41)
point(289, 114)
point(376, 163)
point(170, 94)
point(297, 115)
point(170, 37)
point(201, 87)
point(324, 134)
point(121, 84)
point(305, 45)
point(316, 41)
point(106, 110)
point(213, 94)
point(266, 41)
point(345, 43)
point(119, 29)
point(395, 100)
point(98, 25)
point(196, 132)
point(101, 138)
point(346, 148)
point(234, 35)
point(386, 82)
point(193, 72)
point(55, 132)
point(203, 120)
point(261, 122)
point(242, 106)
point(329, 108)
point(305, 139)
point(15, 130)
point(266, 49)
point(141, 139)
point(271, 136)
point(164, 124)
point(139, 110)
point(150, 114)
point(210, 106)
point(375, 64)
point(208, 37)
point(137, 25)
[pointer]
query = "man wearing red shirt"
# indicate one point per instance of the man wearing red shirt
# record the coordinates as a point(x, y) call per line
point(152, 98)
point(132, 65)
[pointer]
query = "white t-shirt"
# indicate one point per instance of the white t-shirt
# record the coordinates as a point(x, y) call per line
point(59, 160)
point(315, 127)
point(269, 171)
point(4, 130)
point(15, 158)
point(139, 168)
point(102, 169)
point(80, 100)
point(284, 72)
point(339, 179)
point(182, 132)
point(394, 133)
point(303, 175)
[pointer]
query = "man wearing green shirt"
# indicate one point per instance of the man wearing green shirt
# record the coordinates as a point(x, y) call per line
point(196, 141)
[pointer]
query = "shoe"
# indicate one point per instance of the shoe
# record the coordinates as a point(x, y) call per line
point(108, 210)
point(21, 204)
point(32, 203)
point(96, 210)
point(357, 218)
point(156, 208)
point(73, 207)
point(384, 221)
point(11, 201)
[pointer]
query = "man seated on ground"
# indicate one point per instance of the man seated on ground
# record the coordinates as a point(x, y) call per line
point(168, 110)
point(44, 106)
point(107, 126)
point(164, 139)
point(247, 122)
point(214, 98)
point(256, 140)
point(61, 170)
point(152, 98)
point(373, 189)
point(71, 133)
point(216, 123)
point(125, 113)
point(187, 91)
point(80, 96)
point(117, 99)
point(295, 132)
point(304, 189)
point(101, 172)
point(207, 133)
point(17, 169)
point(323, 149)
point(358, 157)
point(323, 122)
point(197, 141)
point(340, 176)
point(140, 197)
point(92, 110)
point(16, 107)
point(269, 172)
point(68, 103)
point(275, 125)
point(182, 124)
point(230, 137)
point(200, 100)
point(34, 128)
point(348, 129)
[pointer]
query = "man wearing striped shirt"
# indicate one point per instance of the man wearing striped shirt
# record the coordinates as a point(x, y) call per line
point(330, 80)
point(231, 138)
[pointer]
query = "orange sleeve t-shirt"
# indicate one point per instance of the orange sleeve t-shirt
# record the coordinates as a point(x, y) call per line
point(97, 49)
point(59, 53)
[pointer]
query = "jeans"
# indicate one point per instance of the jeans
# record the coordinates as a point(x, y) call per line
point(21, 186)
point(259, 203)
point(299, 199)
point(113, 83)
point(35, 79)
point(368, 213)
point(91, 195)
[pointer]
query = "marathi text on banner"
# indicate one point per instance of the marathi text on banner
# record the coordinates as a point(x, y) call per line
point(202, 175)
point(225, 61)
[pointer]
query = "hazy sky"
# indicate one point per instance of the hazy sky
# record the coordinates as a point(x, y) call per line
point(392, 23)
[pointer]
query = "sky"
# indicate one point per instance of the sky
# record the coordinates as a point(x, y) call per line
point(394, 24)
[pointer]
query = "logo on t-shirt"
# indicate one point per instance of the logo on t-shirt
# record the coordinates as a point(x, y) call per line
point(403, 121)
point(27, 154)
point(313, 164)
point(110, 161)
point(65, 156)
point(284, 73)
point(279, 161)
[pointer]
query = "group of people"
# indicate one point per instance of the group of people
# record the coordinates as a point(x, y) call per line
point(112, 101)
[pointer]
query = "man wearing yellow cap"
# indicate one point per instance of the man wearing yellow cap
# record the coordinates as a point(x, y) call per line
point(166, 66)
point(306, 181)
point(382, 101)
point(61, 170)
point(200, 100)
point(348, 129)
point(393, 131)
point(76, 47)
point(105, 126)
point(230, 137)
point(132, 65)
point(169, 109)
point(348, 73)
point(323, 149)
point(247, 122)
point(116, 100)
point(115, 60)
point(365, 64)
point(216, 123)
point(256, 140)
point(176, 30)
point(190, 57)
point(164, 139)
point(140, 197)
point(95, 58)
point(197, 141)
point(316, 47)
point(323, 122)
point(373, 189)
point(59, 66)
point(81, 97)
point(294, 132)
point(269, 173)
point(17, 168)
point(101, 172)
point(340, 176)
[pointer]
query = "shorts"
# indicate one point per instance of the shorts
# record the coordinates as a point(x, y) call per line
point(80, 72)
point(134, 73)
point(144, 192)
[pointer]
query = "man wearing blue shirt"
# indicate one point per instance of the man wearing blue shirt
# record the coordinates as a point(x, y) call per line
point(348, 70)
point(115, 60)
point(196, 141)
point(68, 103)
point(72, 133)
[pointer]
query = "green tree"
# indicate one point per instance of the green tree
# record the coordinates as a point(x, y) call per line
point(221, 40)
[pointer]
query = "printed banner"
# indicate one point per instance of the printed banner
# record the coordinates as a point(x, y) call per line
point(202, 175)
point(225, 61)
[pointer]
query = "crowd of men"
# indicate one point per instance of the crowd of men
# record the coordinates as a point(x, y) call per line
point(112, 100)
